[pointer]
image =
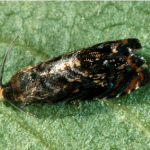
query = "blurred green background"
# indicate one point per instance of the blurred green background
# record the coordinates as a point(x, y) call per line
point(48, 29)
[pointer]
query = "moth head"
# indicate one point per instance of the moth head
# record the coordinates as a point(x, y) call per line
point(1, 85)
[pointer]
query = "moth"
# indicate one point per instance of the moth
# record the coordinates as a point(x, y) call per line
point(104, 70)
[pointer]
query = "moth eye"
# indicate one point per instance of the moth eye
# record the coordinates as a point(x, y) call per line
point(24, 79)
point(34, 76)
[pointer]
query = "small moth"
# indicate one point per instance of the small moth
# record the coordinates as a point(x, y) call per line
point(108, 69)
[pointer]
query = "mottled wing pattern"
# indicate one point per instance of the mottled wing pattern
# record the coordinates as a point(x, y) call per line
point(104, 70)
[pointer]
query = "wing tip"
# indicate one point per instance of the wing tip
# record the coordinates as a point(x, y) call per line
point(134, 43)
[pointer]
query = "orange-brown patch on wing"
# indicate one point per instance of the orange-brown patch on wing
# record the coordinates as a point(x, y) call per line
point(130, 61)
point(131, 85)
point(141, 78)
point(134, 83)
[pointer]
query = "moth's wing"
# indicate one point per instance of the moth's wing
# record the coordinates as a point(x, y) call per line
point(85, 73)
point(131, 73)
point(107, 80)
point(129, 82)
point(128, 75)
point(108, 48)
point(133, 43)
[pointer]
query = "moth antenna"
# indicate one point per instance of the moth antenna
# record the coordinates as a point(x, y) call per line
point(26, 112)
point(1, 75)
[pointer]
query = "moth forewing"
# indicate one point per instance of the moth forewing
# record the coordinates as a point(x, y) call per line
point(108, 69)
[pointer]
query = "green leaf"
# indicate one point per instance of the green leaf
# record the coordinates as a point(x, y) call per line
point(48, 29)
